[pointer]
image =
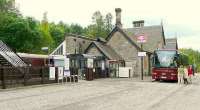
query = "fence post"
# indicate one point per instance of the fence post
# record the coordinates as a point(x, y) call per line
point(42, 73)
point(24, 75)
point(56, 72)
point(3, 79)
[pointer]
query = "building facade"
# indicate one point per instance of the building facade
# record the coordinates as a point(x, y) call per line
point(121, 47)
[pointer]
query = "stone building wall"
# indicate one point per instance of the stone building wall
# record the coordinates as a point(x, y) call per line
point(77, 44)
point(127, 51)
point(94, 51)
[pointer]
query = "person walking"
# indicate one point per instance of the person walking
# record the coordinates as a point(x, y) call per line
point(180, 74)
point(190, 73)
point(185, 75)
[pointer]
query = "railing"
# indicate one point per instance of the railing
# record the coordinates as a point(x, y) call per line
point(10, 56)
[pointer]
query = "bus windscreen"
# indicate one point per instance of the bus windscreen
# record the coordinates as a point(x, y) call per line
point(165, 59)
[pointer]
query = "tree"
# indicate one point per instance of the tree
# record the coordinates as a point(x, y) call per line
point(47, 40)
point(183, 59)
point(58, 32)
point(100, 27)
point(76, 29)
point(108, 22)
point(7, 6)
point(193, 57)
point(19, 33)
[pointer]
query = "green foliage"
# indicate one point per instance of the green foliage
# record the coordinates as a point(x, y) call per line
point(101, 26)
point(193, 57)
point(19, 33)
point(57, 32)
point(47, 40)
point(7, 6)
point(76, 29)
point(183, 60)
point(25, 34)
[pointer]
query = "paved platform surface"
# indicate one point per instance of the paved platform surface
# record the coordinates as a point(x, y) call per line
point(104, 94)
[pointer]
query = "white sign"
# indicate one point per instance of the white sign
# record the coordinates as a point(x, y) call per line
point(102, 65)
point(141, 54)
point(44, 48)
point(125, 72)
point(60, 72)
point(90, 63)
point(52, 75)
point(66, 63)
point(66, 73)
point(141, 39)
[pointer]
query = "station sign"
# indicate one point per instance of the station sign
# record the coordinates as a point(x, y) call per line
point(142, 54)
point(141, 38)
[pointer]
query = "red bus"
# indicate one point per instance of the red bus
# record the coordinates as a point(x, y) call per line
point(165, 65)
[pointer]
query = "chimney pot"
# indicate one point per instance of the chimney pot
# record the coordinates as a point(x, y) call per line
point(139, 23)
point(118, 17)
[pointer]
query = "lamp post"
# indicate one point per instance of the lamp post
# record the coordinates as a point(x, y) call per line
point(141, 63)
point(141, 39)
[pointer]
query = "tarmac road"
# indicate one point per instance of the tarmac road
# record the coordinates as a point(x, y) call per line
point(104, 94)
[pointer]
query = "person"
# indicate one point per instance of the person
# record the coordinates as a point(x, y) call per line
point(193, 70)
point(180, 74)
point(185, 75)
point(190, 73)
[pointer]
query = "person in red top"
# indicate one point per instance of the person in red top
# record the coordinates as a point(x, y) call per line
point(190, 73)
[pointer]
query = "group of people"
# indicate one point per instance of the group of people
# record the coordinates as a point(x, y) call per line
point(185, 74)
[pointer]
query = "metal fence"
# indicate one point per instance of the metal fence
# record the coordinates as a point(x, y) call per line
point(23, 76)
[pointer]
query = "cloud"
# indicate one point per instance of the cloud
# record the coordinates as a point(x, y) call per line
point(179, 16)
point(189, 42)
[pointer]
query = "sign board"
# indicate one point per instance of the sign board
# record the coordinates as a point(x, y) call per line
point(52, 74)
point(66, 73)
point(102, 65)
point(44, 48)
point(125, 72)
point(90, 63)
point(141, 54)
point(60, 72)
point(66, 60)
point(141, 38)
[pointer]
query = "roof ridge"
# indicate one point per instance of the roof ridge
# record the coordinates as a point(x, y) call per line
point(81, 36)
point(104, 49)
point(143, 27)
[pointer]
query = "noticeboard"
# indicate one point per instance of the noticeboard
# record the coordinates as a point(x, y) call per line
point(60, 72)
point(90, 63)
point(66, 73)
point(66, 60)
point(52, 73)
point(102, 65)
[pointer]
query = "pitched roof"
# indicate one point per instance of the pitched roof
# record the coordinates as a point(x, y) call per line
point(124, 34)
point(80, 36)
point(155, 35)
point(171, 43)
point(27, 55)
point(106, 50)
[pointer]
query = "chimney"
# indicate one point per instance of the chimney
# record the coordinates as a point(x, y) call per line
point(139, 23)
point(118, 17)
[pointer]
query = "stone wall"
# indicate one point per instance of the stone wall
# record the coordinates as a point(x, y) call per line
point(127, 51)
point(93, 50)
point(77, 44)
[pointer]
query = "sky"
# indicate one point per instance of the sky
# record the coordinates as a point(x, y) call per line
point(180, 17)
